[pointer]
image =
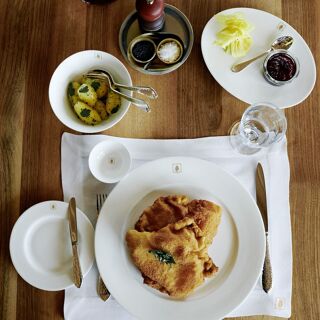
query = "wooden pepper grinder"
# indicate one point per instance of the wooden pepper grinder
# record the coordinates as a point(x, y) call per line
point(150, 14)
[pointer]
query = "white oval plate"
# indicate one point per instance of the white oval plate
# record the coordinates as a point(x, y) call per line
point(40, 245)
point(249, 84)
point(238, 248)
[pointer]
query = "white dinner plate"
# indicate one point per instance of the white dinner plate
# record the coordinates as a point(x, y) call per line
point(238, 248)
point(249, 84)
point(40, 245)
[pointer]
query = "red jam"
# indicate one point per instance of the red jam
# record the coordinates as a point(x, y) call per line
point(281, 67)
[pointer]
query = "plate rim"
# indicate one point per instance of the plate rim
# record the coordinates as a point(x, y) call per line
point(29, 211)
point(300, 100)
point(260, 226)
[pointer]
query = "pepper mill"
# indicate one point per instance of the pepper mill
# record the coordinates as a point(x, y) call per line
point(150, 14)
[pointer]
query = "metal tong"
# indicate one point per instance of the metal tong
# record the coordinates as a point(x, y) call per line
point(141, 104)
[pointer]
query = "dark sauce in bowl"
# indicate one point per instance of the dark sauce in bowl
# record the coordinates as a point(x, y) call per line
point(281, 67)
point(143, 50)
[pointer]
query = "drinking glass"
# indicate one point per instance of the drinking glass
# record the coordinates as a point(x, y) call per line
point(261, 125)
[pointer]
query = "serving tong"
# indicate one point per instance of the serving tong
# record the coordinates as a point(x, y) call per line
point(146, 91)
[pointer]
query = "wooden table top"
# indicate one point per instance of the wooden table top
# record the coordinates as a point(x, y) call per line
point(37, 35)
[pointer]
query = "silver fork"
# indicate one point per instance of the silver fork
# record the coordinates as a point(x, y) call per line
point(103, 292)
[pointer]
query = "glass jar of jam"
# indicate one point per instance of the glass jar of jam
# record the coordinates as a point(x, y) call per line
point(280, 67)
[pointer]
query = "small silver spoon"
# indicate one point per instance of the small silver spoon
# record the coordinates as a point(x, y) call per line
point(283, 42)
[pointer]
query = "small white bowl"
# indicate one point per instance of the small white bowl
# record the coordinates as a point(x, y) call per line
point(73, 68)
point(109, 161)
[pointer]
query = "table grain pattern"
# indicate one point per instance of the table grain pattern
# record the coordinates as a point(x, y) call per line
point(35, 36)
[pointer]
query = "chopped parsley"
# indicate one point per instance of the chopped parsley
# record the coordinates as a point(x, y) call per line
point(115, 109)
point(95, 85)
point(104, 100)
point(85, 113)
point(84, 89)
point(163, 256)
point(71, 90)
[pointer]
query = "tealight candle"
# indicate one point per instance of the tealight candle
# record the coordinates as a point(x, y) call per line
point(109, 161)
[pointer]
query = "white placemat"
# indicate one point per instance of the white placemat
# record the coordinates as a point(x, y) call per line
point(77, 181)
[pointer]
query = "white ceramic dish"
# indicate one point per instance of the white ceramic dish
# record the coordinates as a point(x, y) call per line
point(238, 248)
point(249, 84)
point(109, 161)
point(40, 245)
point(73, 68)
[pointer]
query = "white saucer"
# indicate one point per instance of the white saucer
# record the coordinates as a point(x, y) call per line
point(249, 84)
point(40, 245)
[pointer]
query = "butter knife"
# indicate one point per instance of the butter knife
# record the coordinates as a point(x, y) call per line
point(262, 204)
point(76, 268)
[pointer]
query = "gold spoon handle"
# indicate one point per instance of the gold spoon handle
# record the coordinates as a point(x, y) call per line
point(240, 66)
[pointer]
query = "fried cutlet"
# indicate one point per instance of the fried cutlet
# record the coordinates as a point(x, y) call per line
point(170, 209)
point(163, 211)
point(173, 259)
point(207, 216)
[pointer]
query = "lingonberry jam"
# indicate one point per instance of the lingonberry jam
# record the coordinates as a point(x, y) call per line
point(280, 67)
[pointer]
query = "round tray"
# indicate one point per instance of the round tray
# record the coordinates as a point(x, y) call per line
point(176, 25)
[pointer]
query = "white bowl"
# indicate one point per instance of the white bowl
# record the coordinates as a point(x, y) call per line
point(73, 68)
point(109, 161)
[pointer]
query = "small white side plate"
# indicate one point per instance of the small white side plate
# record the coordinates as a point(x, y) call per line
point(40, 245)
point(249, 84)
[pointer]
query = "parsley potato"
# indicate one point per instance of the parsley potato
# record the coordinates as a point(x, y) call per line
point(92, 100)
point(87, 94)
point(73, 92)
point(86, 113)
point(101, 109)
point(100, 86)
point(113, 102)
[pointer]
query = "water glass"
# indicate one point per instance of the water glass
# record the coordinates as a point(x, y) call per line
point(261, 125)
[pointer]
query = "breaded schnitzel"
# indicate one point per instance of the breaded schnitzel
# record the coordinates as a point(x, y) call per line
point(170, 243)
point(164, 210)
point(170, 209)
point(173, 259)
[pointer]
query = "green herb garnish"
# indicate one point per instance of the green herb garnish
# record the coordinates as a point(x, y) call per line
point(104, 100)
point(115, 109)
point(85, 113)
point(95, 85)
point(84, 89)
point(162, 256)
point(71, 90)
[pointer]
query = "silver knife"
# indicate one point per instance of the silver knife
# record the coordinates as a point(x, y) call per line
point(262, 204)
point(76, 270)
